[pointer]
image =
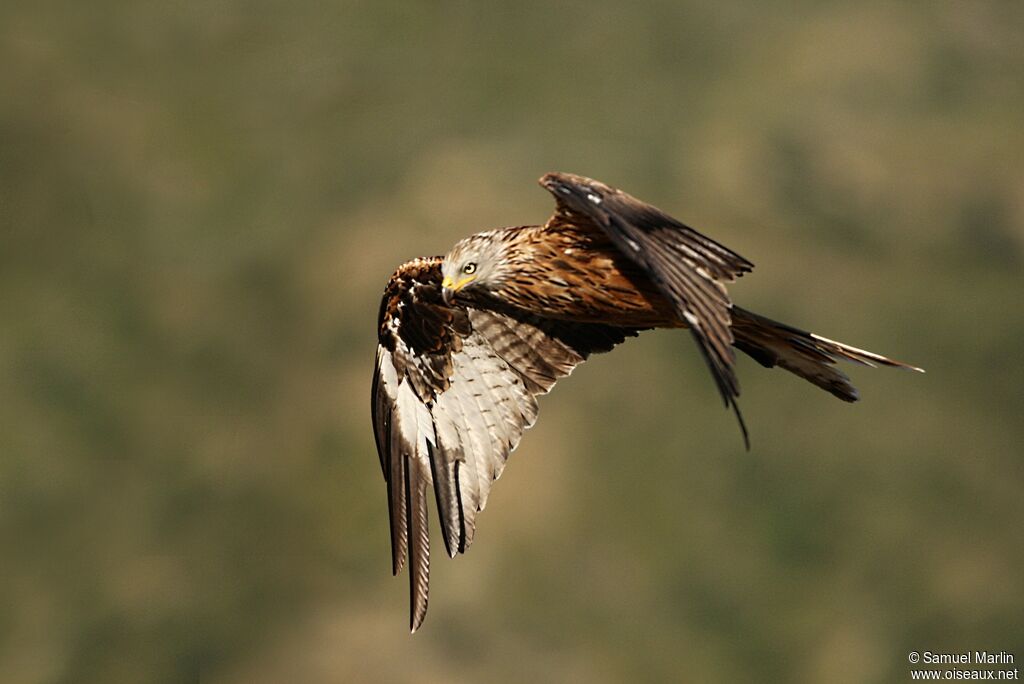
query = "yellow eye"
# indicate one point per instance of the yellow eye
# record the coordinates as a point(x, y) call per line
point(469, 268)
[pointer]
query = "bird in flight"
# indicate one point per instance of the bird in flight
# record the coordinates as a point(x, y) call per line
point(468, 341)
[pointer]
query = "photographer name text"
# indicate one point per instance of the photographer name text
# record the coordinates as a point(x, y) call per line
point(966, 658)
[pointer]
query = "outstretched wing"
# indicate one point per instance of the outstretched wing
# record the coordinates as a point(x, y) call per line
point(690, 269)
point(453, 391)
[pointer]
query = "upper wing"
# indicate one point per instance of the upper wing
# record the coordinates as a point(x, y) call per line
point(453, 391)
point(687, 267)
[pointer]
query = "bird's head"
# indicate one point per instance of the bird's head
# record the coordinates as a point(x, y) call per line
point(474, 266)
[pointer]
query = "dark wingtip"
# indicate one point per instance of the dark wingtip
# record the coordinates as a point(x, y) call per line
point(555, 182)
point(743, 424)
point(417, 613)
point(559, 182)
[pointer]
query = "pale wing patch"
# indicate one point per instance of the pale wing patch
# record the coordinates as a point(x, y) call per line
point(406, 438)
point(480, 420)
point(453, 392)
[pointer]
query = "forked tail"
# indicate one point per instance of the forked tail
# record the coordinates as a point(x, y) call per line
point(810, 356)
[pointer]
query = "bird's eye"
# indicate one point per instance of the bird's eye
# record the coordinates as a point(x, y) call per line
point(469, 268)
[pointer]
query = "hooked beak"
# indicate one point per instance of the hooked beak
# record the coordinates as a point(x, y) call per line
point(447, 293)
point(449, 288)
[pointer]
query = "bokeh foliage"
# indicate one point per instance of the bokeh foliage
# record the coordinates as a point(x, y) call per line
point(200, 203)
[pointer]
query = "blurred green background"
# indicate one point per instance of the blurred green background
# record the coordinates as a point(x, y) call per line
point(200, 203)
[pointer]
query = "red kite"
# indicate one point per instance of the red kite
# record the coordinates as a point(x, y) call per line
point(468, 341)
